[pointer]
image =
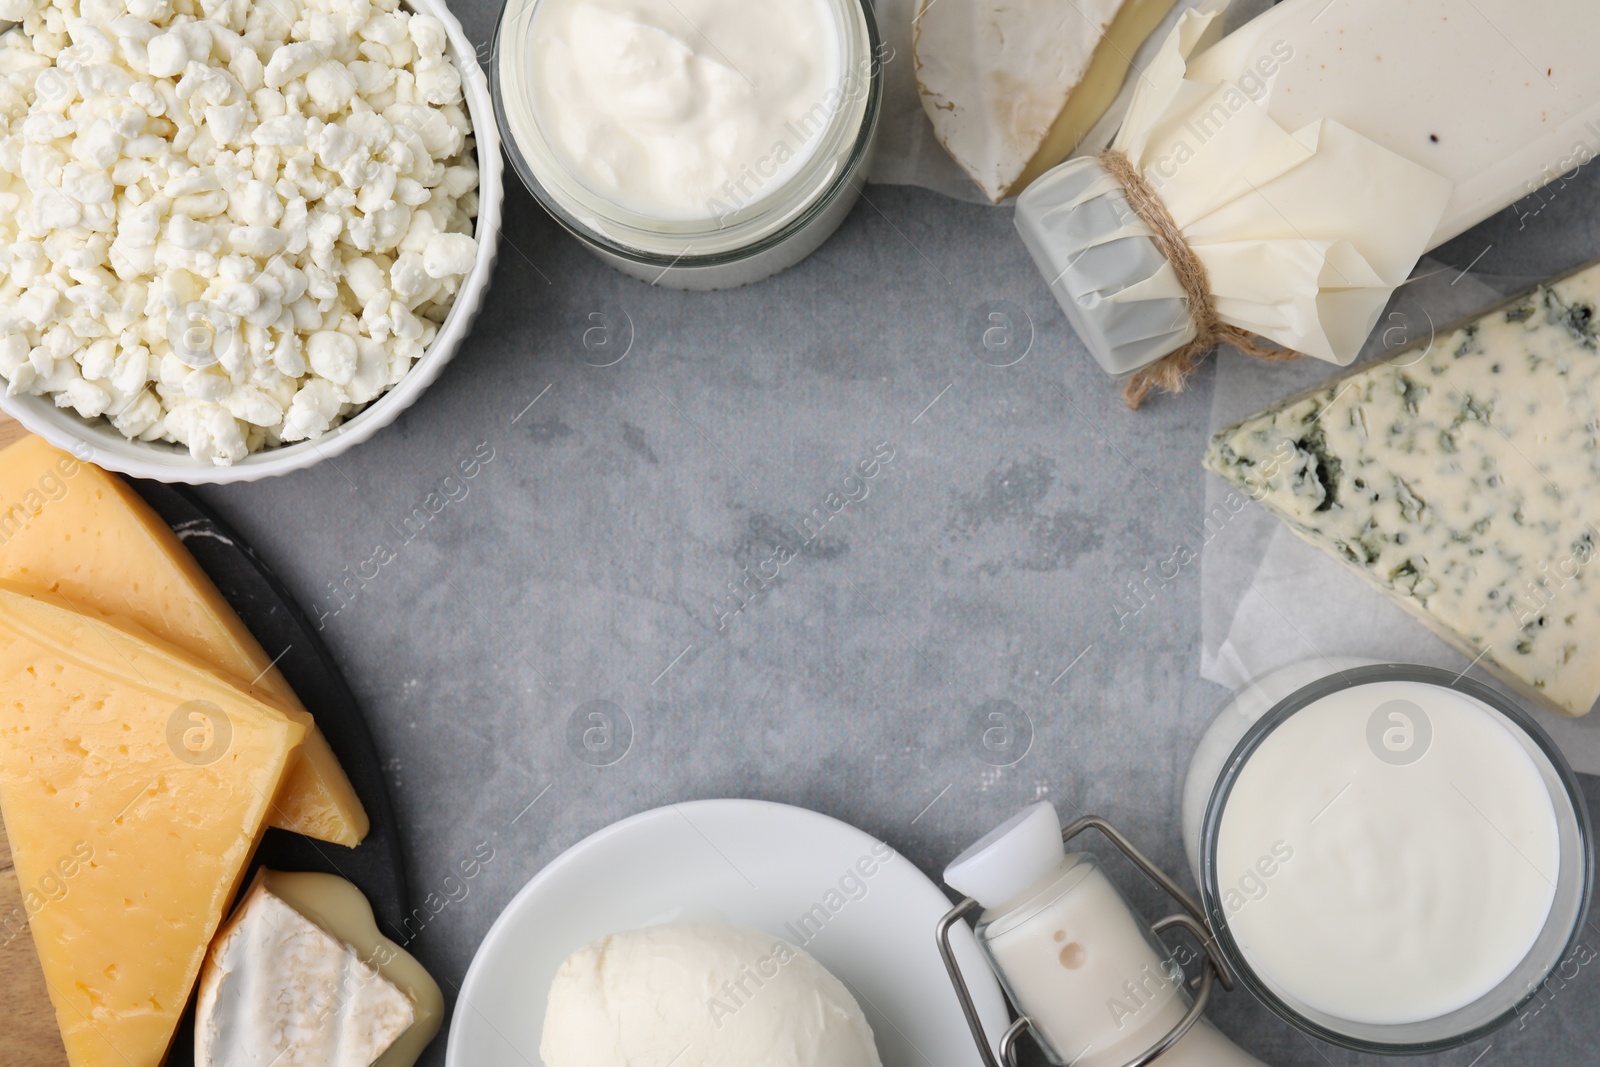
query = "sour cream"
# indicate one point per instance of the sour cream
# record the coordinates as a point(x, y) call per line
point(685, 110)
point(1388, 854)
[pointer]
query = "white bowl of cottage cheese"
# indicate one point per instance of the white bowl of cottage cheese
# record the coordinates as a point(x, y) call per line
point(236, 239)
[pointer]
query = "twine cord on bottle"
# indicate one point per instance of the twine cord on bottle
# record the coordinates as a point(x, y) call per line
point(1171, 372)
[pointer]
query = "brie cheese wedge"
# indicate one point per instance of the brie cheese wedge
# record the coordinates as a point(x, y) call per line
point(300, 977)
point(1012, 86)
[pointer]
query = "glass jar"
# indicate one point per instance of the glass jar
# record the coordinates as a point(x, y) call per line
point(1090, 978)
point(1239, 733)
point(742, 244)
point(1095, 982)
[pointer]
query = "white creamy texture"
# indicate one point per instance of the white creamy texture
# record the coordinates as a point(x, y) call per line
point(701, 994)
point(1380, 891)
point(279, 991)
point(684, 110)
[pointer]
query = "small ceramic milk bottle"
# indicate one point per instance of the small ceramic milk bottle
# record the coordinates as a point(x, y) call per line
point(1096, 985)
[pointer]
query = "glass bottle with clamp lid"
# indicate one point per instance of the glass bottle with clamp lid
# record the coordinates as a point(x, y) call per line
point(1090, 978)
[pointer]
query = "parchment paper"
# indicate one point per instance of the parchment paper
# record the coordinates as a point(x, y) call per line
point(1269, 598)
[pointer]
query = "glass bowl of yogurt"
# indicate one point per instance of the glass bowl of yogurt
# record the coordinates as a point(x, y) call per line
point(696, 144)
point(1393, 857)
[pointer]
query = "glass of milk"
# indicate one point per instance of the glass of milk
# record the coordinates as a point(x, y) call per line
point(1392, 857)
point(694, 144)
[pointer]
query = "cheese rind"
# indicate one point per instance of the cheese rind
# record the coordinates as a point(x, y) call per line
point(1461, 477)
point(301, 976)
point(153, 776)
point(279, 989)
point(68, 527)
point(1012, 86)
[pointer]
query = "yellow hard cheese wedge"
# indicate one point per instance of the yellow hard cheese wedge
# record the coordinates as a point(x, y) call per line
point(134, 782)
point(68, 527)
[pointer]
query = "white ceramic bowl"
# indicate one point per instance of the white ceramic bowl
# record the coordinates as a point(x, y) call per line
point(99, 442)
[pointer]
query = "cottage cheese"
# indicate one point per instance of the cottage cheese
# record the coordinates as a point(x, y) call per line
point(227, 225)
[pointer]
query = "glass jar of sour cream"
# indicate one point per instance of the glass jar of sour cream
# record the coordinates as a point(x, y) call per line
point(697, 144)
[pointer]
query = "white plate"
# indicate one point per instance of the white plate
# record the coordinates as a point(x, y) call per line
point(748, 862)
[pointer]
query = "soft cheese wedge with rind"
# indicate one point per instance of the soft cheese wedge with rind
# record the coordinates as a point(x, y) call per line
point(301, 977)
point(1012, 86)
point(1462, 478)
point(70, 528)
point(155, 774)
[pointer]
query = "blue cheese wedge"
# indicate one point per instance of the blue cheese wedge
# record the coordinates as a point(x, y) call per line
point(1463, 479)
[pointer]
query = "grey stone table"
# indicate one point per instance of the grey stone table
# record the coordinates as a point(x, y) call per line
point(639, 456)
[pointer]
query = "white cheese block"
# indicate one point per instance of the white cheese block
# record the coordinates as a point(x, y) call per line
point(1463, 479)
point(1012, 86)
point(282, 989)
point(701, 994)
